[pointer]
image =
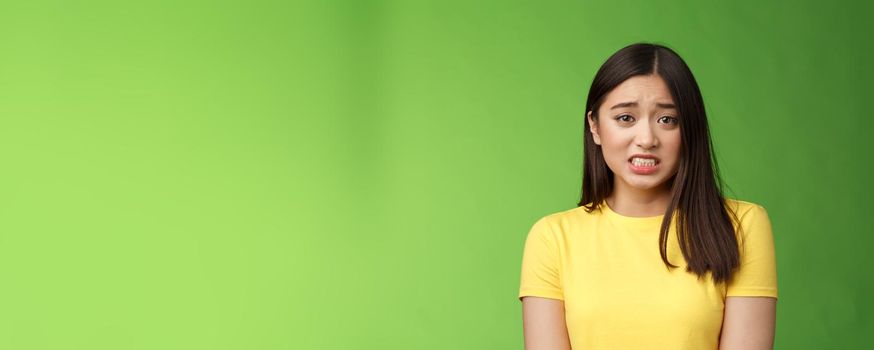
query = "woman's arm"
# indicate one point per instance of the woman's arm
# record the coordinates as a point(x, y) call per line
point(544, 324)
point(748, 323)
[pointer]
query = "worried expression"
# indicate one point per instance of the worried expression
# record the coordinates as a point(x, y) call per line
point(638, 130)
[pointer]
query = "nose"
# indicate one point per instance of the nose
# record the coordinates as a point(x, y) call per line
point(645, 137)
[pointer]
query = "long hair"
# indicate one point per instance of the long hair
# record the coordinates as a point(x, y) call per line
point(705, 231)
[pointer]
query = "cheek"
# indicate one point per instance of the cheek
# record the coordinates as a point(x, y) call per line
point(671, 146)
point(615, 150)
point(615, 139)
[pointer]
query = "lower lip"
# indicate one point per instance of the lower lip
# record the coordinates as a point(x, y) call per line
point(643, 170)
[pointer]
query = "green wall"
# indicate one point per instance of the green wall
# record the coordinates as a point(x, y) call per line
point(362, 175)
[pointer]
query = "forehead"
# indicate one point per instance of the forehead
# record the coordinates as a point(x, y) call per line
point(644, 89)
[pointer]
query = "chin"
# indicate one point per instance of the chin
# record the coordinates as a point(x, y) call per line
point(646, 187)
point(646, 184)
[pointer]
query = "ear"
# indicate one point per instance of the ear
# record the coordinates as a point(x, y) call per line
point(593, 126)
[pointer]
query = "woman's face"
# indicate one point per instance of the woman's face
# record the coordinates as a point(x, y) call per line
point(638, 117)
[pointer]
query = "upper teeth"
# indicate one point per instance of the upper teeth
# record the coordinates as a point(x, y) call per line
point(643, 161)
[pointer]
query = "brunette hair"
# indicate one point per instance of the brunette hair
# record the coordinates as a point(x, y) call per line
point(705, 231)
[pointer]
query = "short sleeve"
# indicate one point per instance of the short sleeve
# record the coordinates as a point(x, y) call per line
point(541, 269)
point(757, 274)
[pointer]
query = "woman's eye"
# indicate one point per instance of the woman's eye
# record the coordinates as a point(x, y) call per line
point(624, 119)
point(671, 120)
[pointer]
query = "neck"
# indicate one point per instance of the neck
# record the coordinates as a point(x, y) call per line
point(630, 201)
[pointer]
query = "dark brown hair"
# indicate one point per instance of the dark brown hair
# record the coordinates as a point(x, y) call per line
point(705, 231)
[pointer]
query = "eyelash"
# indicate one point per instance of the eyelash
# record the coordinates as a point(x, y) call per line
point(675, 120)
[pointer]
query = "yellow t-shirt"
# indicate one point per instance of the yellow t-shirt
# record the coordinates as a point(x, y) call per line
point(617, 291)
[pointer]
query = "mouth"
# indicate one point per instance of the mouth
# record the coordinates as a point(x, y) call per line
point(644, 161)
point(643, 164)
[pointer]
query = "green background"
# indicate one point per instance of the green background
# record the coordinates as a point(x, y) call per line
point(362, 174)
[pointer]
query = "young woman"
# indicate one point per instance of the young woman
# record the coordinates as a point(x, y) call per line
point(654, 256)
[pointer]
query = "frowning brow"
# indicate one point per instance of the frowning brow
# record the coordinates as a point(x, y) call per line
point(634, 104)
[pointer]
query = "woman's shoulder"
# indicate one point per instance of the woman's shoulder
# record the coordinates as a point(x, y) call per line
point(569, 214)
point(741, 207)
point(565, 212)
point(568, 219)
point(748, 214)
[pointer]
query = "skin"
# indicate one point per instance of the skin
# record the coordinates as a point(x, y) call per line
point(748, 323)
point(649, 127)
point(646, 128)
point(544, 325)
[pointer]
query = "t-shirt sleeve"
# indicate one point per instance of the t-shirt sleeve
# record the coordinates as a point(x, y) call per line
point(757, 274)
point(541, 268)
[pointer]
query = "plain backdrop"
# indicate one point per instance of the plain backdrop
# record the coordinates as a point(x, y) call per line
point(362, 174)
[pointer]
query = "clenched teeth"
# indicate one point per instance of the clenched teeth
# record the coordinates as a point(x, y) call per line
point(643, 162)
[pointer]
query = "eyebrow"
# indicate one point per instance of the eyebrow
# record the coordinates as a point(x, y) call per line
point(634, 104)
